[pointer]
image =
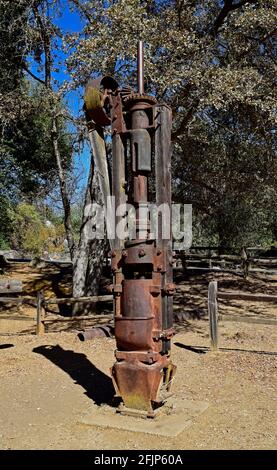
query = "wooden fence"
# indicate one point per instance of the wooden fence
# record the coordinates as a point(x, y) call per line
point(214, 317)
point(211, 261)
point(43, 317)
point(41, 303)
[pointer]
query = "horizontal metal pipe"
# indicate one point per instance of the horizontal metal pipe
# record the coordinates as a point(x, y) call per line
point(96, 332)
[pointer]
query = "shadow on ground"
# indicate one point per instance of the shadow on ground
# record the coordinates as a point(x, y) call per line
point(204, 349)
point(6, 346)
point(98, 386)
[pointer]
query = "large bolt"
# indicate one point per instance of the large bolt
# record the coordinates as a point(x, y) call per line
point(124, 253)
point(109, 288)
point(169, 288)
point(141, 253)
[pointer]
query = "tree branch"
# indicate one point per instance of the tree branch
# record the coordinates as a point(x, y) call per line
point(45, 36)
point(187, 118)
point(82, 9)
point(226, 9)
point(63, 188)
point(255, 40)
point(33, 75)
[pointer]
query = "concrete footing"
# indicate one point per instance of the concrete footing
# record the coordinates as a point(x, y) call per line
point(175, 416)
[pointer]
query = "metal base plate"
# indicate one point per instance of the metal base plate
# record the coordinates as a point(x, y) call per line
point(175, 416)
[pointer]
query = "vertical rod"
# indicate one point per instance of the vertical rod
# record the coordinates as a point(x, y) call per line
point(213, 314)
point(140, 68)
point(40, 329)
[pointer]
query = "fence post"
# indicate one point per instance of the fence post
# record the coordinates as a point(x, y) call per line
point(40, 314)
point(213, 315)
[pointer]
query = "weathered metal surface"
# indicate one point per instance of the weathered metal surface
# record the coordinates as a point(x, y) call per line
point(97, 100)
point(138, 383)
point(163, 123)
point(134, 334)
point(96, 332)
point(140, 68)
point(141, 149)
point(142, 268)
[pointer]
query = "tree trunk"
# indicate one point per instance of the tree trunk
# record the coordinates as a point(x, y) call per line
point(90, 254)
point(64, 190)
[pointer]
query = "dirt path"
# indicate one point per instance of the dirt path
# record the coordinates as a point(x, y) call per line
point(48, 383)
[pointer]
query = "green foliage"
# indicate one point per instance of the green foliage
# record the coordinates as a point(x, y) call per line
point(229, 175)
point(27, 164)
point(214, 62)
point(31, 234)
point(5, 222)
point(28, 160)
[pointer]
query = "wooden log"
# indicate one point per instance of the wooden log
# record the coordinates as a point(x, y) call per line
point(52, 318)
point(17, 300)
point(98, 147)
point(246, 296)
point(18, 317)
point(264, 271)
point(270, 261)
point(118, 176)
point(13, 286)
point(73, 300)
point(260, 321)
point(40, 314)
point(213, 315)
point(212, 270)
point(163, 151)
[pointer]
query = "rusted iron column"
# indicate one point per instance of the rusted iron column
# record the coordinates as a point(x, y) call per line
point(143, 371)
point(142, 267)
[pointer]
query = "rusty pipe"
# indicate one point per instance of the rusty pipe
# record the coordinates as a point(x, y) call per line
point(106, 331)
point(140, 68)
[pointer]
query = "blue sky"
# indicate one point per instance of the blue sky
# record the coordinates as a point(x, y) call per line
point(68, 22)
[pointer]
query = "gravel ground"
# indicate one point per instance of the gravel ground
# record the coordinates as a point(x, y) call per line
point(48, 384)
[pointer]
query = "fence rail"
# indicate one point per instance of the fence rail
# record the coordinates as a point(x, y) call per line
point(214, 317)
point(41, 303)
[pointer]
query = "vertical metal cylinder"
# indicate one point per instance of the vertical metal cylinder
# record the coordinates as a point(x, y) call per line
point(143, 371)
point(140, 120)
point(140, 68)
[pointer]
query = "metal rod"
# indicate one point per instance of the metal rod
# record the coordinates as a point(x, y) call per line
point(140, 68)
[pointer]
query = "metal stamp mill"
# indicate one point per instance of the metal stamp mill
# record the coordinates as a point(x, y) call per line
point(142, 267)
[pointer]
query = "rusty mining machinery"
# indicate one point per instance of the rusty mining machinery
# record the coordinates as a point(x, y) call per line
point(142, 267)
